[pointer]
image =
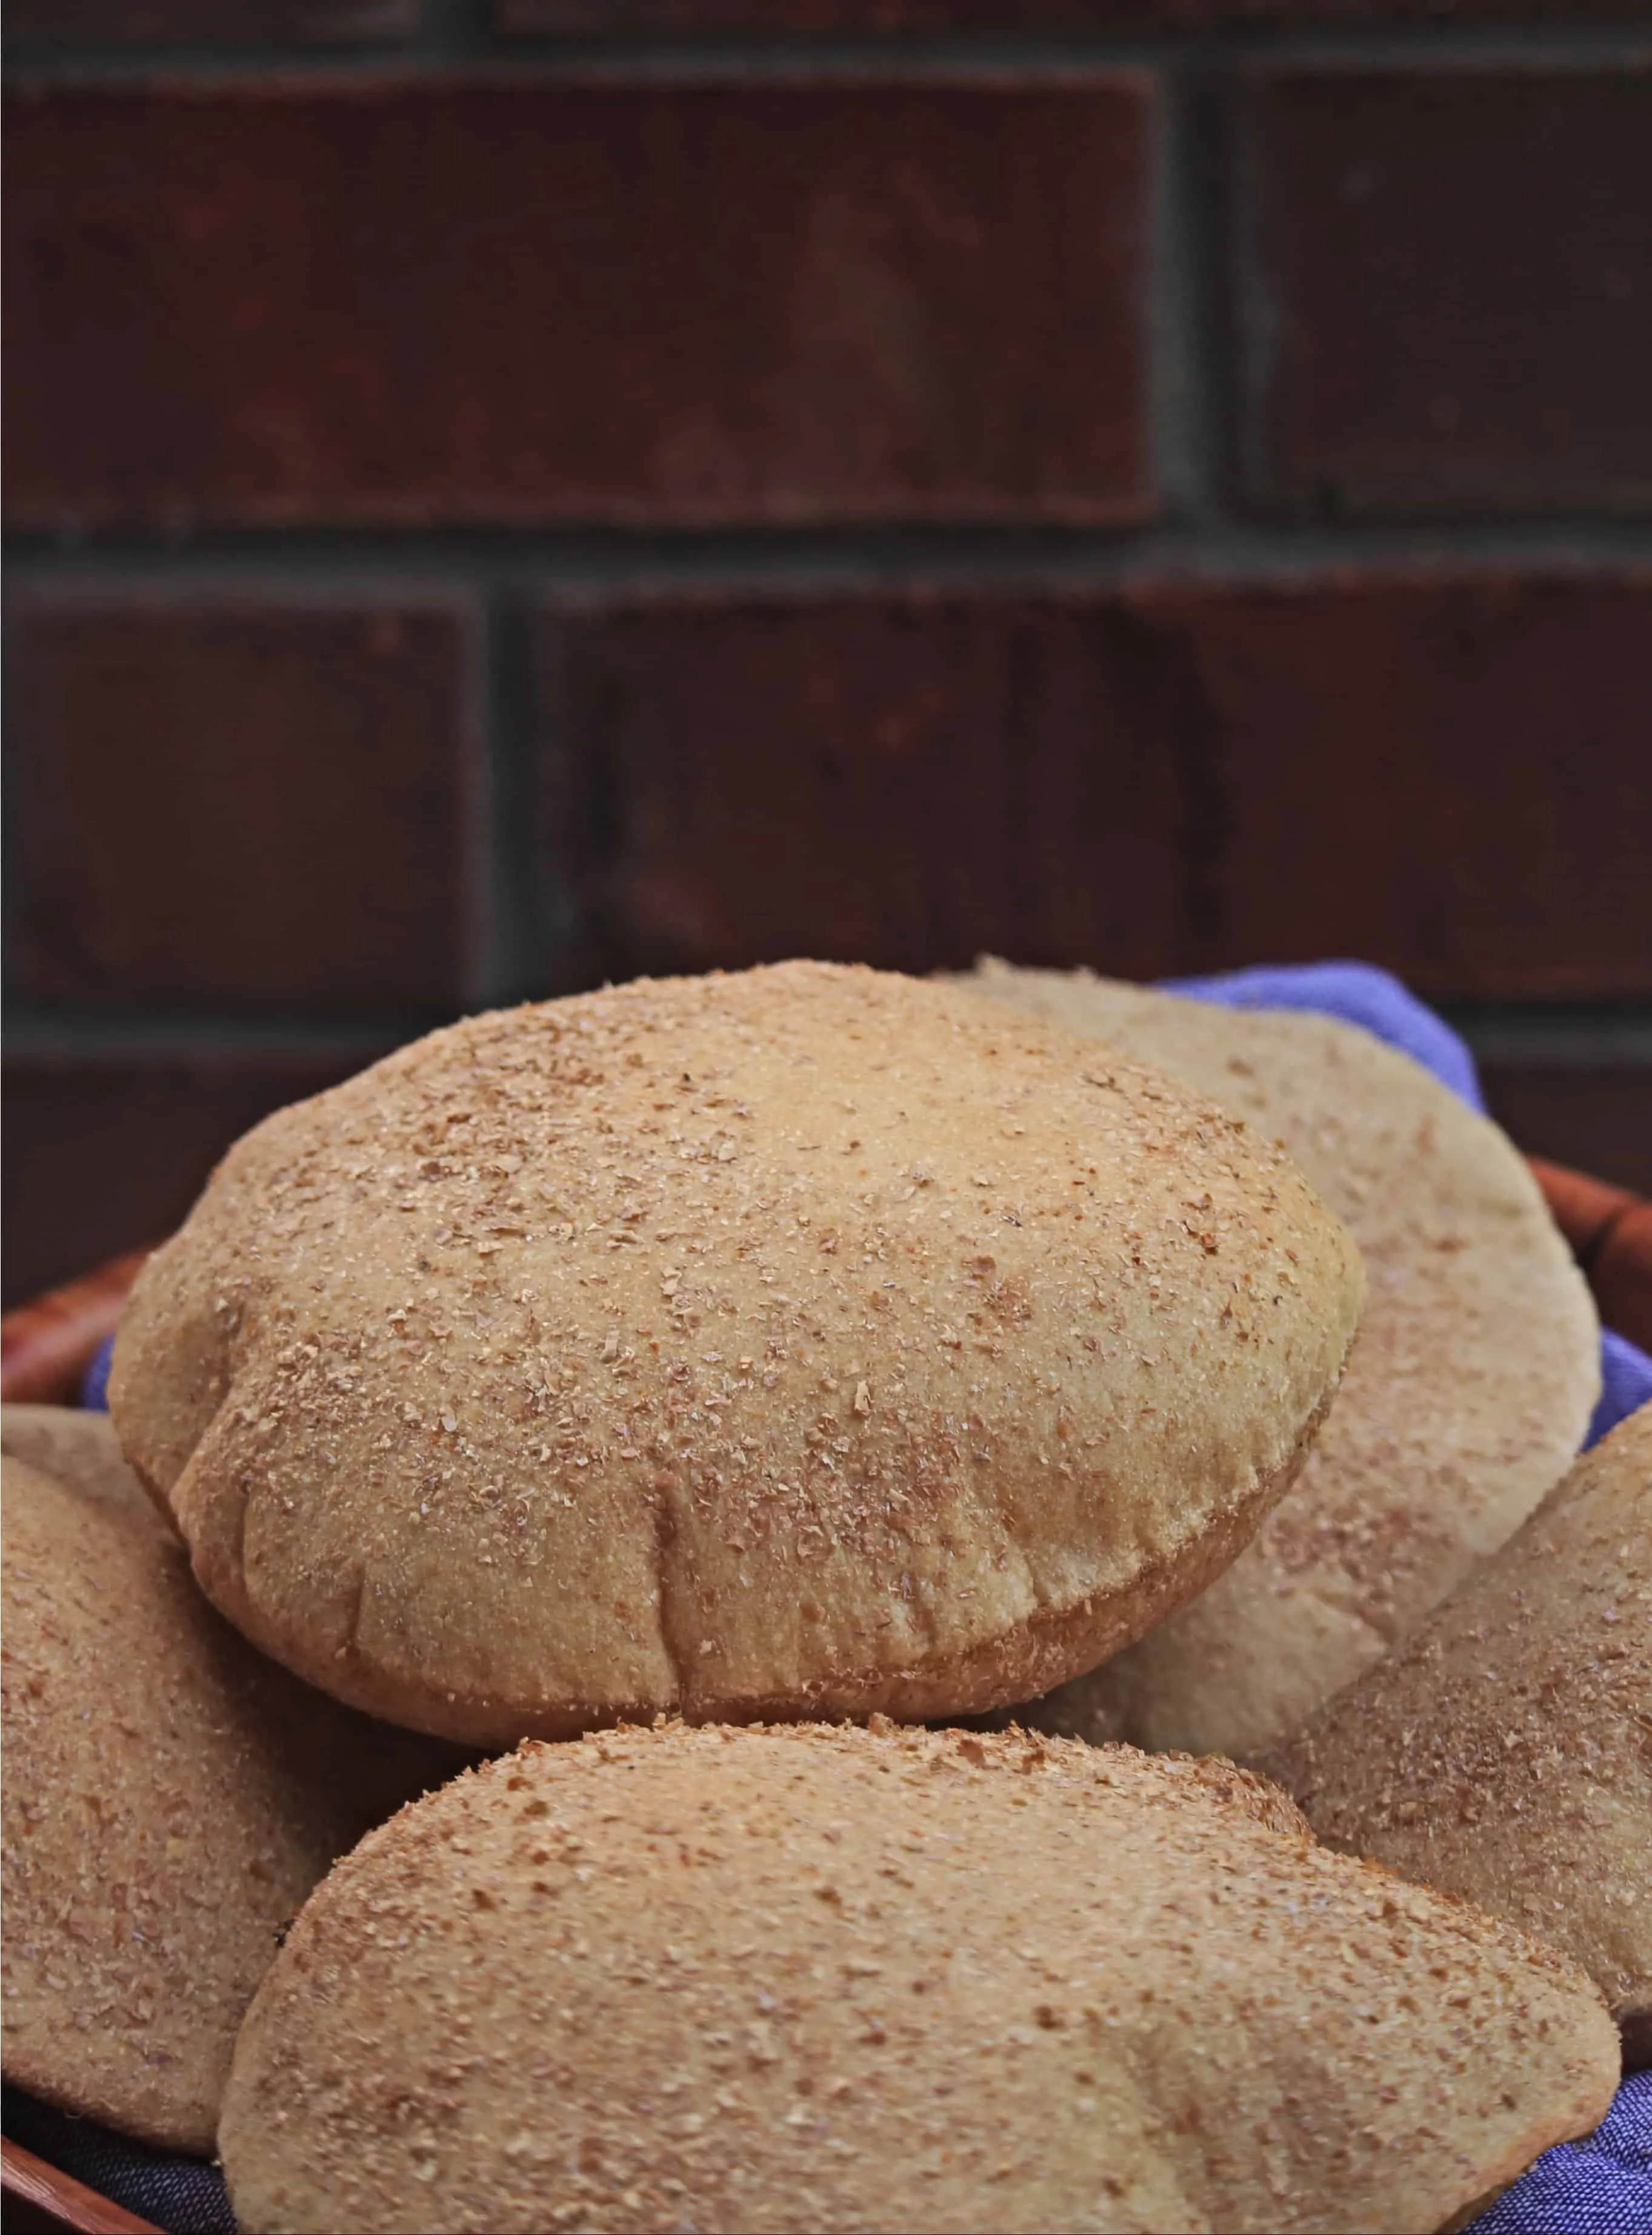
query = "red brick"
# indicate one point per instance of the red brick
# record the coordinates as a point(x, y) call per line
point(225, 22)
point(1596, 1118)
point(241, 806)
point(897, 783)
point(104, 1155)
point(542, 301)
point(1446, 776)
point(939, 14)
point(1455, 305)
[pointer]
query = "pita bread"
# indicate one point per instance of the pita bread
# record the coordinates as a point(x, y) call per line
point(809, 1340)
point(1468, 1393)
point(1503, 1754)
point(841, 1979)
point(169, 1797)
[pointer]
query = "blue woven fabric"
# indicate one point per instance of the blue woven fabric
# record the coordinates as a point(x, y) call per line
point(1626, 1385)
point(1602, 2186)
point(180, 2194)
point(1599, 2187)
point(95, 1383)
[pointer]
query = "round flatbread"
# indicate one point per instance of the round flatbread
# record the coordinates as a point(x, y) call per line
point(804, 1341)
point(170, 1797)
point(840, 1979)
point(1466, 1397)
point(1504, 1752)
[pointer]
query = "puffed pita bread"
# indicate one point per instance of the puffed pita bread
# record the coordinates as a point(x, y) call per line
point(808, 1341)
point(1505, 1753)
point(841, 1979)
point(1465, 1399)
point(169, 1799)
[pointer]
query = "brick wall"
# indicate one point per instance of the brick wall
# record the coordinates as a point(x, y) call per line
point(502, 495)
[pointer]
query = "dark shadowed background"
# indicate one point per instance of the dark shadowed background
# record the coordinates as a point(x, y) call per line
point(504, 496)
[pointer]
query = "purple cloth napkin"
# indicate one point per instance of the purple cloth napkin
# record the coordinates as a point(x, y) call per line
point(180, 2194)
point(1599, 2187)
point(1602, 2186)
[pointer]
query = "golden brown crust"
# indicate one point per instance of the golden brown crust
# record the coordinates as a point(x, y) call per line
point(169, 1798)
point(809, 1340)
point(829, 1979)
point(1466, 1398)
point(1503, 1754)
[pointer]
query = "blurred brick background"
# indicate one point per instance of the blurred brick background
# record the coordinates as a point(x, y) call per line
point(504, 495)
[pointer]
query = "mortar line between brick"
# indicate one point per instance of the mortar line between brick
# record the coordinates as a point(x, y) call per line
point(1253, 302)
point(1183, 305)
point(483, 930)
point(507, 860)
point(1562, 1035)
point(460, 47)
point(1573, 1037)
point(37, 1031)
point(457, 30)
point(345, 566)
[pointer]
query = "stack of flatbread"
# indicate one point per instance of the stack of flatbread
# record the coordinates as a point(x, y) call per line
point(684, 1392)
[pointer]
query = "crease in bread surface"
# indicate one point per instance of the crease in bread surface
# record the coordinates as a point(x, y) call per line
point(170, 1797)
point(849, 1978)
point(804, 1341)
point(1466, 1398)
point(1504, 1752)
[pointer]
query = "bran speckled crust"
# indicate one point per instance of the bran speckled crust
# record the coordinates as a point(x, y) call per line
point(1467, 1396)
point(170, 1797)
point(1505, 1752)
point(805, 1340)
point(840, 1979)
